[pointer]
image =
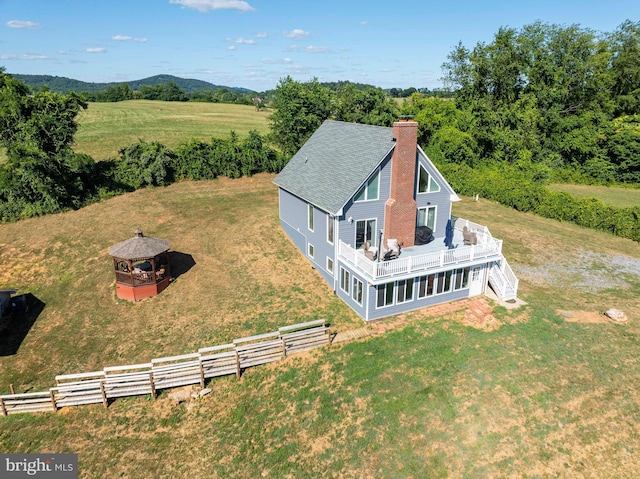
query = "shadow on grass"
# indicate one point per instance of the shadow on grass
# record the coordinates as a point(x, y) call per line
point(180, 263)
point(15, 325)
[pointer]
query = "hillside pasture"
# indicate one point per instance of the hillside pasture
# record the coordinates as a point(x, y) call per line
point(105, 128)
point(548, 390)
point(609, 195)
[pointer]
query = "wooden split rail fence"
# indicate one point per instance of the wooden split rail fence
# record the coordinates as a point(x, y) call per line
point(165, 373)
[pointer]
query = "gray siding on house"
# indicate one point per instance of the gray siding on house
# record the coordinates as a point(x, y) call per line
point(294, 221)
point(441, 199)
point(363, 210)
point(360, 309)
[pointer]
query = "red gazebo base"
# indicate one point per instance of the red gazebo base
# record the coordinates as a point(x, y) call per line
point(137, 293)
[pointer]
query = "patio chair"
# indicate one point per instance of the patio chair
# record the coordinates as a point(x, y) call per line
point(369, 251)
point(469, 237)
point(393, 250)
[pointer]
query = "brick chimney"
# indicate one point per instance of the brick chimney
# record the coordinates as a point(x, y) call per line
point(400, 208)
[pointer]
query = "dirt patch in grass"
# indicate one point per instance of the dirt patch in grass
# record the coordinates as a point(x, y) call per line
point(584, 317)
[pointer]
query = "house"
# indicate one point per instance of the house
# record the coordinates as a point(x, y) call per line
point(372, 214)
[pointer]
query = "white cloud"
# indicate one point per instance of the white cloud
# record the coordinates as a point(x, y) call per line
point(24, 57)
point(208, 5)
point(296, 33)
point(243, 41)
point(126, 38)
point(23, 24)
point(275, 61)
point(312, 49)
point(96, 50)
point(262, 35)
point(363, 22)
point(232, 47)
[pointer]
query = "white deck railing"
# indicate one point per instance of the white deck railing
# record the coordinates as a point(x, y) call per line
point(420, 263)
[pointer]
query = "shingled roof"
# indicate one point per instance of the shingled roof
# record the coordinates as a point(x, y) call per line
point(139, 247)
point(333, 164)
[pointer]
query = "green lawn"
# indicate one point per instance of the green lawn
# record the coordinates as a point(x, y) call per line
point(622, 197)
point(539, 395)
point(104, 128)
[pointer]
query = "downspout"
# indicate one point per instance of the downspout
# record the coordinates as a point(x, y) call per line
point(336, 239)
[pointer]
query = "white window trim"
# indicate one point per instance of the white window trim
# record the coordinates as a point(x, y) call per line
point(435, 214)
point(431, 177)
point(310, 217)
point(393, 302)
point(353, 290)
point(331, 224)
point(330, 269)
point(413, 292)
point(365, 187)
point(347, 283)
point(311, 250)
point(374, 239)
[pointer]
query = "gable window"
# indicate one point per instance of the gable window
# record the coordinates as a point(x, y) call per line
point(310, 217)
point(426, 183)
point(370, 190)
point(427, 217)
point(365, 231)
point(357, 290)
point(329, 229)
point(344, 280)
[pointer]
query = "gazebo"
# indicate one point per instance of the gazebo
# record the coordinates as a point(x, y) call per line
point(141, 264)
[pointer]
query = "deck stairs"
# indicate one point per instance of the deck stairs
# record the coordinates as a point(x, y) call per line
point(503, 280)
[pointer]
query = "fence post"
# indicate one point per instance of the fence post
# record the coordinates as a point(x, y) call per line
point(104, 394)
point(284, 347)
point(201, 371)
point(13, 391)
point(53, 401)
point(237, 363)
point(153, 386)
point(2, 408)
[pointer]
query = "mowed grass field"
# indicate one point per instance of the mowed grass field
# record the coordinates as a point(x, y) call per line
point(105, 128)
point(548, 390)
point(621, 197)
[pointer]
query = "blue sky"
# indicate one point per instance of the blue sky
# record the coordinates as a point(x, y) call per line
point(255, 43)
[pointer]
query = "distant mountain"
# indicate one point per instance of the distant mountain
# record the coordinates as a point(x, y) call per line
point(64, 84)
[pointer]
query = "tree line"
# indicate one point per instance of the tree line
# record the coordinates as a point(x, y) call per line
point(168, 91)
point(42, 174)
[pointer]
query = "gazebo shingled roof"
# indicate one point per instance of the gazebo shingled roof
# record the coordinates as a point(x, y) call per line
point(139, 247)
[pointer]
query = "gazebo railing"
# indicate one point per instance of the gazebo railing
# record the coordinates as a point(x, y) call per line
point(138, 279)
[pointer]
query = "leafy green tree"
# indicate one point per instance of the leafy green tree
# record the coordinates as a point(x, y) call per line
point(370, 106)
point(625, 68)
point(299, 109)
point(42, 174)
point(145, 164)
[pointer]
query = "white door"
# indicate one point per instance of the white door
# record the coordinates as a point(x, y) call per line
point(476, 286)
